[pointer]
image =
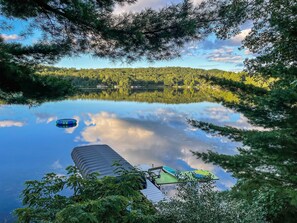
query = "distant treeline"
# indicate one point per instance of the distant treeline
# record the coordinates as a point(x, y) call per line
point(146, 77)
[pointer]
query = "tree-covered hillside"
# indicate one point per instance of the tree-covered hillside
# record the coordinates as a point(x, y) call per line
point(147, 77)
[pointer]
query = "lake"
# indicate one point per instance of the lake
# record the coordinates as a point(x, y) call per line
point(143, 133)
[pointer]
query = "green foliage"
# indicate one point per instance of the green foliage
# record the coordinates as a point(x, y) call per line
point(117, 199)
point(18, 83)
point(147, 77)
point(266, 163)
point(108, 199)
point(201, 203)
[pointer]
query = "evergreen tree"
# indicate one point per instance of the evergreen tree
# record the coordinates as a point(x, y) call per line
point(17, 64)
point(266, 163)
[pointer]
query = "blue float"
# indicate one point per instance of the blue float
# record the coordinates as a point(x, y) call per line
point(66, 123)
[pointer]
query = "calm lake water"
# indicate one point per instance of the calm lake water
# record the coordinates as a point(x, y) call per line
point(143, 133)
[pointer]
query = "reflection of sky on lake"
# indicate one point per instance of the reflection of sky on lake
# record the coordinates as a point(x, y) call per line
point(31, 144)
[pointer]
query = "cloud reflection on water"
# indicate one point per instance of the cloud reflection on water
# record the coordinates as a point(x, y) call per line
point(11, 123)
point(220, 115)
point(149, 140)
point(44, 117)
point(57, 165)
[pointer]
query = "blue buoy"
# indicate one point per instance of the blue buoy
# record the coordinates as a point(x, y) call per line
point(66, 123)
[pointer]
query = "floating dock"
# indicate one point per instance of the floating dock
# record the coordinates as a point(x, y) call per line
point(100, 158)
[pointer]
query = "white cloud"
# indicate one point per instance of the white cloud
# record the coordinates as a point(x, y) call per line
point(192, 161)
point(224, 54)
point(243, 123)
point(11, 123)
point(140, 5)
point(144, 4)
point(144, 141)
point(221, 115)
point(57, 165)
point(196, 2)
point(45, 118)
point(7, 37)
point(163, 115)
point(226, 59)
point(234, 42)
point(111, 127)
point(241, 36)
point(247, 52)
point(228, 183)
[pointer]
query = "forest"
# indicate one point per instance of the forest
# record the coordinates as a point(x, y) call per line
point(147, 77)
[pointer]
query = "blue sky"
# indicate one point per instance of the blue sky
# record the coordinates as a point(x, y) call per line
point(211, 53)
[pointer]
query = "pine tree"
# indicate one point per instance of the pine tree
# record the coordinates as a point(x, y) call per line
point(266, 163)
